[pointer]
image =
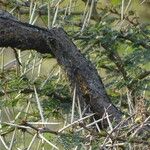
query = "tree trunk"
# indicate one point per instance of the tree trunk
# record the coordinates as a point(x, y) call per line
point(80, 71)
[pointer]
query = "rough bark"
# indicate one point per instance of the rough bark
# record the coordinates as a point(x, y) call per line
point(79, 70)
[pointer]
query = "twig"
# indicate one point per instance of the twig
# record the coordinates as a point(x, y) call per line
point(75, 122)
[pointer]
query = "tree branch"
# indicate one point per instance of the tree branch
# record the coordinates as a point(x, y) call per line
point(80, 71)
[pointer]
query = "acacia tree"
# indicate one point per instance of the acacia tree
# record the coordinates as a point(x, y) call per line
point(80, 71)
point(87, 85)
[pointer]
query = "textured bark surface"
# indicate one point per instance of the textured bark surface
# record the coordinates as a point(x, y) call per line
point(79, 70)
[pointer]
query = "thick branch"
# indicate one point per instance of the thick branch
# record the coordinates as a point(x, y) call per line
point(80, 71)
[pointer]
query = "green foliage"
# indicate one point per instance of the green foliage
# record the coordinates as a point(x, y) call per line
point(119, 49)
point(132, 46)
point(71, 140)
